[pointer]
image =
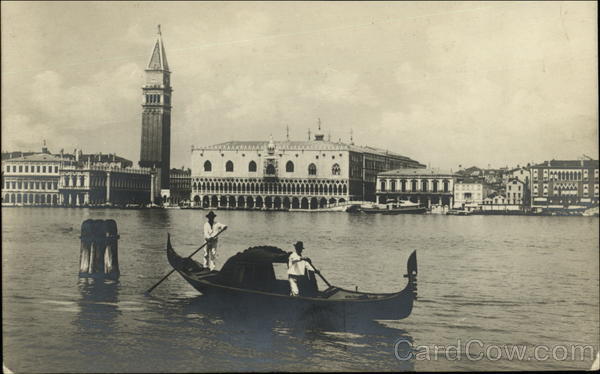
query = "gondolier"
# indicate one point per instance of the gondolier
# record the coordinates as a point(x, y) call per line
point(297, 266)
point(211, 229)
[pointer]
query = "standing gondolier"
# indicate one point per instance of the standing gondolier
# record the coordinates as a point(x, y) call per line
point(297, 266)
point(211, 229)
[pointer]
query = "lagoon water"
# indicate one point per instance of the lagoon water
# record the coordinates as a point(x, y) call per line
point(495, 280)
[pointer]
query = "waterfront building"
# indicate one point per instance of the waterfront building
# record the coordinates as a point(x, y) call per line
point(563, 183)
point(516, 191)
point(288, 174)
point(32, 180)
point(155, 150)
point(424, 186)
point(521, 173)
point(180, 186)
point(77, 179)
point(512, 199)
point(469, 194)
point(96, 185)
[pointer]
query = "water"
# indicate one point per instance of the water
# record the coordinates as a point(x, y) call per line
point(498, 279)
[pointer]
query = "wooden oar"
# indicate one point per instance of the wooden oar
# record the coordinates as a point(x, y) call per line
point(190, 256)
point(319, 274)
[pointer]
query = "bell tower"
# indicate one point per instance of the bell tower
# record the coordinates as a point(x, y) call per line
point(156, 117)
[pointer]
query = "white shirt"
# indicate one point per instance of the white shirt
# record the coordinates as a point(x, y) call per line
point(211, 232)
point(297, 268)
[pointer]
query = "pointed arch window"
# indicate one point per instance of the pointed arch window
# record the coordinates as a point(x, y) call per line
point(312, 169)
point(207, 166)
point(252, 167)
point(229, 166)
point(289, 167)
point(335, 169)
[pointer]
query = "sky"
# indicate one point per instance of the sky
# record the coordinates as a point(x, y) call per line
point(445, 83)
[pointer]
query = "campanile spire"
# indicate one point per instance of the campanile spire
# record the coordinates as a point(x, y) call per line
point(156, 116)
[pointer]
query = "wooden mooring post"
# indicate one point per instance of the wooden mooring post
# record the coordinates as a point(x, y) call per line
point(99, 253)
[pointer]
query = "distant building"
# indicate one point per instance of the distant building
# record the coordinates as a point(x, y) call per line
point(180, 185)
point(77, 179)
point(469, 194)
point(564, 183)
point(96, 185)
point(521, 173)
point(31, 180)
point(424, 186)
point(472, 172)
point(512, 199)
point(78, 158)
point(16, 154)
point(516, 191)
point(288, 174)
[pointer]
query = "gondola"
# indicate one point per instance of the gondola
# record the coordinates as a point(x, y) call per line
point(247, 281)
point(394, 211)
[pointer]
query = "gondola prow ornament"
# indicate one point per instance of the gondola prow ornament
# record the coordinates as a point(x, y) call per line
point(99, 253)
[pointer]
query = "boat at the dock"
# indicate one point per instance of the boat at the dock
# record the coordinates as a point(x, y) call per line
point(247, 280)
point(190, 206)
point(394, 207)
point(458, 212)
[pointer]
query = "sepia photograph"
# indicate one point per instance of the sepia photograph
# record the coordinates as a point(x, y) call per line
point(274, 186)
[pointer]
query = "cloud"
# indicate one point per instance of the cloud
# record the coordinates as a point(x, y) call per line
point(83, 114)
point(450, 83)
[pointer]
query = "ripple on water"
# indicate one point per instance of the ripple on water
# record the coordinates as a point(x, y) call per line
point(528, 280)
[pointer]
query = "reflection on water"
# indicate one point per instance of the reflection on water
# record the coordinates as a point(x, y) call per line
point(323, 342)
point(98, 306)
point(503, 280)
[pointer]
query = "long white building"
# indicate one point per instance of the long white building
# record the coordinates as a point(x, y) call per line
point(287, 174)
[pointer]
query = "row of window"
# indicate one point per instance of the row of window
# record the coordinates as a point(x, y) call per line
point(31, 199)
point(279, 188)
point(571, 193)
point(10, 185)
point(564, 175)
point(155, 99)
point(270, 170)
point(469, 195)
point(79, 181)
point(74, 179)
point(32, 169)
point(413, 185)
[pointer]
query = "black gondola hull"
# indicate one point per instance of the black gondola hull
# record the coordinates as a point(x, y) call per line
point(344, 304)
